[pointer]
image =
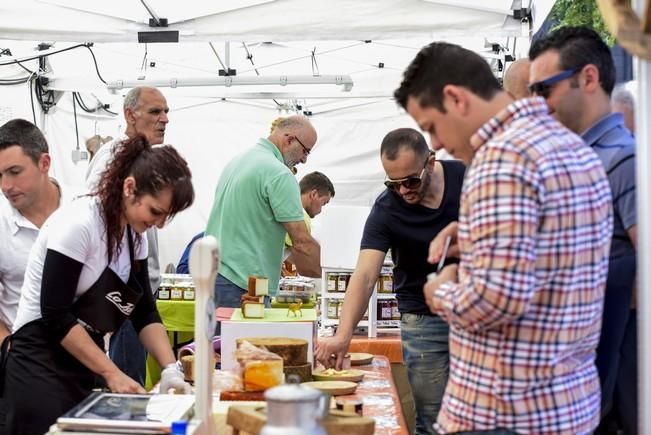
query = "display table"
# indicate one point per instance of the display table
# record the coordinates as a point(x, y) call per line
point(377, 392)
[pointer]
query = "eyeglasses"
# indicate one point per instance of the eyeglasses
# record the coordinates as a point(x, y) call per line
point(543, 88)
point(306, 149)
point(411, 182)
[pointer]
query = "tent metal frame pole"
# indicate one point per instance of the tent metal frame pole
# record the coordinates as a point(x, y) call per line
point(643, 180)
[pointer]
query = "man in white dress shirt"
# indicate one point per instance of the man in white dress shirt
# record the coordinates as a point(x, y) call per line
point(29, 198)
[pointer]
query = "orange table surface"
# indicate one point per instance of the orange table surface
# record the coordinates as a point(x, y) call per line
point(378, 393)
point(388, 345)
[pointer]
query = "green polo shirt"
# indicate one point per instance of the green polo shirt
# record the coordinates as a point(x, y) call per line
point(256, 193)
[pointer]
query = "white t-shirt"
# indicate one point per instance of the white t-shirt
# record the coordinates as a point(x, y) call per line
point(96, 167)
point(99, 162)
point(77, 231)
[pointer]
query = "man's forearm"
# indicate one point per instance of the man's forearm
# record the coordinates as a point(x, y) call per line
point(154, 338)
point(355, 304)
point(306, 256)
point(4, 331)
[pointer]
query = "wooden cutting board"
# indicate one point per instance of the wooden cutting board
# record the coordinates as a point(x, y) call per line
point(351, 375)
point(334, 388)
point(360, 359)
point(251, 419)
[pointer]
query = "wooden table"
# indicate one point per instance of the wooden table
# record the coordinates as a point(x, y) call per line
point(380, 397)
point(377, 392)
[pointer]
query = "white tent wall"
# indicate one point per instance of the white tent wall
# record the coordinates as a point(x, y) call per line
point(210, 135)
point(210, 131)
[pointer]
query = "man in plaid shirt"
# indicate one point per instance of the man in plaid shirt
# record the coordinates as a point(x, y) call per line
point(525, 302)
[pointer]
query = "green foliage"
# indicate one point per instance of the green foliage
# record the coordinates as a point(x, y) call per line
point(580, 13)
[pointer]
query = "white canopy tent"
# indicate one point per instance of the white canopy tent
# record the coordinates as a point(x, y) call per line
point(371, 42)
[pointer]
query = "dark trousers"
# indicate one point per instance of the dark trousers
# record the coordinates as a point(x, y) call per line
point(42, 381)
point(623, 415)
point(128, 353)
point(615, 348)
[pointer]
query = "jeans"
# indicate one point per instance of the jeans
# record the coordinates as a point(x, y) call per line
point(227, 294)
point(426, 355)
point(126, 351)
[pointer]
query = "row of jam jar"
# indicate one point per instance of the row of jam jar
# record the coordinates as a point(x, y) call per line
point(338, 282)
point(386, 309)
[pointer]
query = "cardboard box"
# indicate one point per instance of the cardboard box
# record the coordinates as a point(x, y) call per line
point(234, 329)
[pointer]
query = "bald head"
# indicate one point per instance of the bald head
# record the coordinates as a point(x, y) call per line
point(516, 79)
point(296, 125)
point(295, 137)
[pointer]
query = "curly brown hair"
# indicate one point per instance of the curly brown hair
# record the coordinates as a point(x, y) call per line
point(154, 169)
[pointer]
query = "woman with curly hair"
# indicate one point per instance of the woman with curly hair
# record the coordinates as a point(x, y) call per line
point(86, 274)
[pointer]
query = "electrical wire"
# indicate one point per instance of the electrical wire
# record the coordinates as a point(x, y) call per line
point(44, 55)
point(100, 106)
point(74, 111)
point(95, 62)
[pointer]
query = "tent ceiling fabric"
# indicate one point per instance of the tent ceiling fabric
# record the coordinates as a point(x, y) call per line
point(277, 20)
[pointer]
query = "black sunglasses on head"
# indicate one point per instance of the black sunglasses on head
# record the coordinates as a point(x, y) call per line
point(543, 88)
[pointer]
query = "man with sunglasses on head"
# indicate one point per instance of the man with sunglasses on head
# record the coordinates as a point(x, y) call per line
point(421, 198)
point(573, 70)
point(257, 202)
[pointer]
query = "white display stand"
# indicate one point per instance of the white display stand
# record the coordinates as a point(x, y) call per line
point(373, 324)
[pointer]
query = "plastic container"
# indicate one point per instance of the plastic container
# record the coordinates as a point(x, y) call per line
point(179, 427)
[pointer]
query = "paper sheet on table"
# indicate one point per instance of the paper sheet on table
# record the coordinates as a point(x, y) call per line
point(278, 315)
point(165, 407)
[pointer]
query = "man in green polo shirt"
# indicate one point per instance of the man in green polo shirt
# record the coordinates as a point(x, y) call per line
point(257, 201)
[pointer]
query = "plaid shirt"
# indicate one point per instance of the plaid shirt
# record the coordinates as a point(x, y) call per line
point(535, 225)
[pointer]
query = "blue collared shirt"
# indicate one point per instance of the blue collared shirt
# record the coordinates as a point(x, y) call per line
point(615, 146)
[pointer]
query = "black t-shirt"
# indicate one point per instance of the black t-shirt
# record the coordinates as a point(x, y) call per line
point(408, 230)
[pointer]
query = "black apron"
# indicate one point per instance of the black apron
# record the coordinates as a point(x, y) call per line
point(43, 380)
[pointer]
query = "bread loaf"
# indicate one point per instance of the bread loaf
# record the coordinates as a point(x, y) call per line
point(293, 351)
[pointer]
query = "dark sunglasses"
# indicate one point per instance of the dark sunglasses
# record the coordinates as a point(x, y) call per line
point(411, 182)
point(543, 88)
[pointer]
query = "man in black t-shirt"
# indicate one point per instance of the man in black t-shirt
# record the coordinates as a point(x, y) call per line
point(421, 198)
